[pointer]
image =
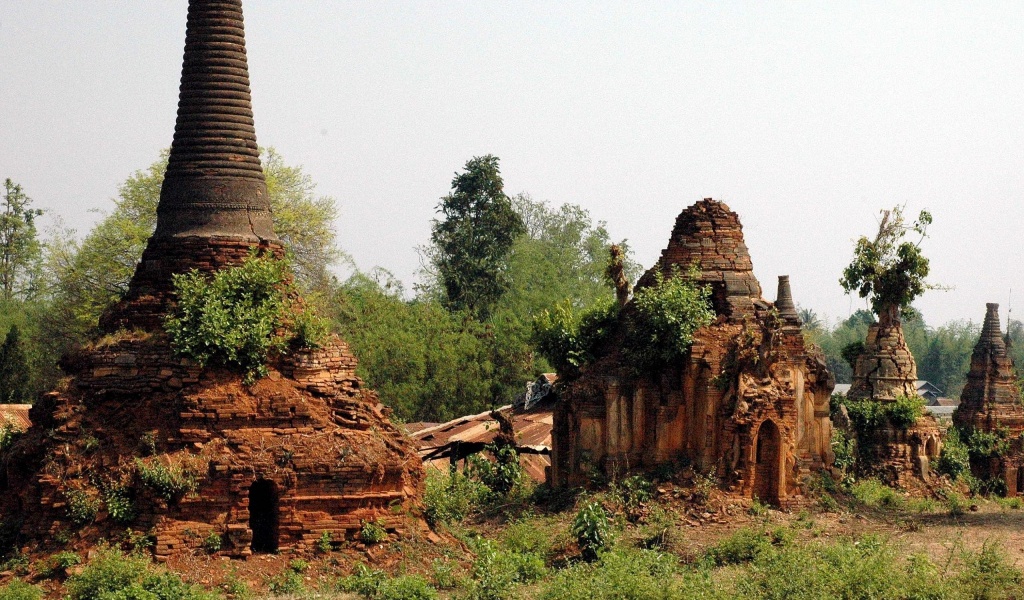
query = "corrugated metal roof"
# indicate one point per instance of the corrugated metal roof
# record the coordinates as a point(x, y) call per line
point(15, 415)
point(469, 434)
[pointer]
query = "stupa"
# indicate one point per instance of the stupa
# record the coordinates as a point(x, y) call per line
point(991, 402)
point(749, 404)
point(884, 371)
point(140, 439)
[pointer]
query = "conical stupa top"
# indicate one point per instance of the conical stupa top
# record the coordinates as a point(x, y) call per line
point(214, 184)
point(991, 335)
point(784, 301)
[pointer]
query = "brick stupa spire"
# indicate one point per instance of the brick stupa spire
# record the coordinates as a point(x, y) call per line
point(303, 455)
point(991, 402)
point(214, 184)
point(214, 206)
point(990, 396)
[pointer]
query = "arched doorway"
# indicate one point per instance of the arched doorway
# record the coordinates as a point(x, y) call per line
point(767, 465)
point(263, 515)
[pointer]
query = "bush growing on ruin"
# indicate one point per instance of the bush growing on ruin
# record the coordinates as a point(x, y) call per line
point(501, 473)
point(239, 317)
point(568, 339)
point(665, 317)
point(170, 482)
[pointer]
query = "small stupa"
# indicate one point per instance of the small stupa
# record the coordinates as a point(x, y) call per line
point(991, 402)
point(141, 439)
point(884, 371)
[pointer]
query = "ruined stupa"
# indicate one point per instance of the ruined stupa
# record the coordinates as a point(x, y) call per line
point(991, 402)
point(749, 404)
point(884, 371)
point(138, 439)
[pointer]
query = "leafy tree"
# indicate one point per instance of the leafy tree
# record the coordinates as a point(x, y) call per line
point(14, 372)
point(887, 270)
point(19, 243)
point(471, 244)
point(425, 362)
point(91, 274)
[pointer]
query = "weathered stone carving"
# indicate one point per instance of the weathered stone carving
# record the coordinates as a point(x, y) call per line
point(142, 438)
point(750, 404)
point(991, 402)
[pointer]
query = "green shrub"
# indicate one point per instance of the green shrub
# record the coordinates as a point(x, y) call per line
point(989, 574)
point(954, 459)
point(497, 572)
point(443, 573)
point(238, 317)
point(665, 316)
point(956, 503)
point(8, 435)
point(744, 546)
point(500, 475)
point(19, 590)
point(625, 574)
point(373, 532)
point(212, 543)
point(905, 411)
point(633, 492)
point(377, 585)
point(120, 505)
point(569, 340)
point(81, 506)
point(844, 448)
point(169, 482)
point(451, 497)
point(62, 561)
point(324, 544)
point(286, 582)
point(112, 575)
point(874, 493)
point(590, 527)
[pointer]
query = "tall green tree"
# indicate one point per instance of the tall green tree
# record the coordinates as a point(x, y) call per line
point(14, 369)
point(19, 243)
point(91, 274)
point(888, 270)
point(471, 243)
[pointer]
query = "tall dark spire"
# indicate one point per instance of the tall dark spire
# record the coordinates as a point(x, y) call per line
point(214, 209)
point(991, 336)
point(214, 184)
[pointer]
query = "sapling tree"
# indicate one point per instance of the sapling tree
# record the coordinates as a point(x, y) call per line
point(889, 270)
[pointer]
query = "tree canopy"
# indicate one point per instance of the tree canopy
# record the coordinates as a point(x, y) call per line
point(19, 243)
point(887, 270)
point(471, 243)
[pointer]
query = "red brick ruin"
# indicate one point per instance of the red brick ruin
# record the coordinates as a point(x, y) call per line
point(749, 404)
point(884, 371)
point(991, 402)
point(304, 452)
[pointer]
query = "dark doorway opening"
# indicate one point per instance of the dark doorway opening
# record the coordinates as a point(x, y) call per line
point(263, 515)
point(768, 466)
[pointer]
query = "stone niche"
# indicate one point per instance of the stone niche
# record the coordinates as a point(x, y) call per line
point(749, 404)
point(884, 371)
point(304, 452)
point(991, 402)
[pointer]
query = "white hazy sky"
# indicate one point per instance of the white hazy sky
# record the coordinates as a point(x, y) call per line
point(805, 117)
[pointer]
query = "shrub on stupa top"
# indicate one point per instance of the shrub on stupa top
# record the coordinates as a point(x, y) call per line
point(240, 316)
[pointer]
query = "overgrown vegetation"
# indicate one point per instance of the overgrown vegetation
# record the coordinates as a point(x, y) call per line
point(170, 482)
point(113, 575)
point(667, 313)
point(240, 316)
